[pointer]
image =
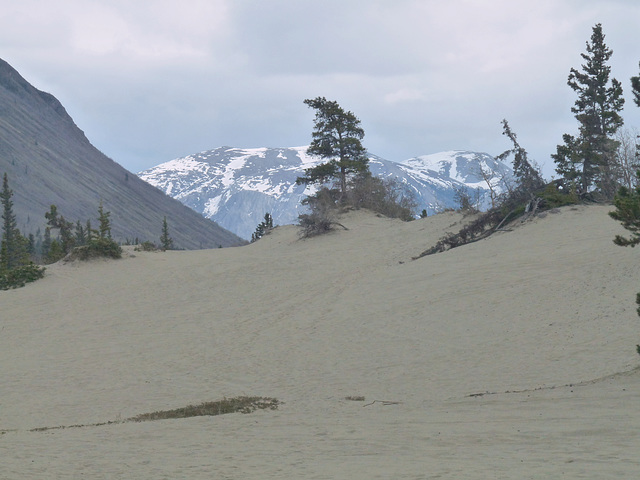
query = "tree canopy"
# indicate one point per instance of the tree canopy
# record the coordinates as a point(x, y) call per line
point(336, 137)
point(627, 212)
point(589, 157)
point(13, 252)
point(635, 86)
point(16, 268)
point(165, 240)
point(528, 177)
point(263, 228)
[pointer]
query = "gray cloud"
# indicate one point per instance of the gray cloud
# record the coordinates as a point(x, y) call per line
point(152, 80)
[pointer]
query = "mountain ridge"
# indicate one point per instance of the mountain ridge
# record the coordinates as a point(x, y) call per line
point(236, 186)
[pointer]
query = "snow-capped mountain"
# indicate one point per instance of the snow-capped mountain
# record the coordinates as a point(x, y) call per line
point(235, 187)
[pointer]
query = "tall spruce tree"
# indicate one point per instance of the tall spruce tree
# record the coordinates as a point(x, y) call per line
point(627, 202)
point(337, 138)
point(635, 88)
point(13, 248)
point(627, 212)
point(104, 230)
point(89, 232)
point(588, 158)
point(67, 238)
point(16, 269)
point(165, 240)
point(81, 234)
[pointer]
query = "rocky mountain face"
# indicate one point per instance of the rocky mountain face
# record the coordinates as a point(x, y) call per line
point(49, 160)
point(235, 187)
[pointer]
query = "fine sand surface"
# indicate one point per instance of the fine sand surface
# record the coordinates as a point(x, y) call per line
point(513, 357)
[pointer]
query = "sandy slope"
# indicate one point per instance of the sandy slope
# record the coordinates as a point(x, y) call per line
point(539, 322)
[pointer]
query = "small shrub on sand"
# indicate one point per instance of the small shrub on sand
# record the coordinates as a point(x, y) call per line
point(321, 218)
point(96, 248)
point(355, 398)
point(315, 224)
point(20, 276)
point(147, 246)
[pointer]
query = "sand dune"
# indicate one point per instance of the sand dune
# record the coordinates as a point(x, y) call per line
point(513, 357)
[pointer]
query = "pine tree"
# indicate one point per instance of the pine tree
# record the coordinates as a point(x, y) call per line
point(627, 201)
point(527, 176)
point(8, 227)
point(67, 238)
point(635, 87)
point(81, 234)
point(13, 249)
point(55, 251)
point(52, 216)
point(89, 232)
point(627, 212)
point(268, 221)
point(589, 158)
point(66, 235)
point(31, 245)
point(165, 240)
point(263, 228)
point(104, 230)
point(16, 269)
point(337, 138)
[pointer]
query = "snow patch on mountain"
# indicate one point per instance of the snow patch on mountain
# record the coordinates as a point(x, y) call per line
point(235, 187)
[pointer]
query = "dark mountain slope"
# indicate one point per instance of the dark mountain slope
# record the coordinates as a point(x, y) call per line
point(49, 160)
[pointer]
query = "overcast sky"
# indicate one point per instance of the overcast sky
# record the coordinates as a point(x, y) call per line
point(152, 80)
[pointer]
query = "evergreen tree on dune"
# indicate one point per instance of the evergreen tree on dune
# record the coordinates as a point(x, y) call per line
point(589, 158)
point(337, 138)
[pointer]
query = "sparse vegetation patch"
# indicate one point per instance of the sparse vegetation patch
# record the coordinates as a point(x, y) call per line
point(96, 248)
point(146, 246)
point(355, 398)
point(219, 407)
point(20, 276)
point(16, 267)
